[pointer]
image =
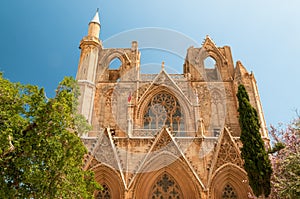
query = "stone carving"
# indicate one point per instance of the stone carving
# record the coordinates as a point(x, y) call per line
point(163, 109)
point(104, 194)
point(229, 192)
point(193, 110)
point(166, 187)
point(228, 152)
point(104, 152)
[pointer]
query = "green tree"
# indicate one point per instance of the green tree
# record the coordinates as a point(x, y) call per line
point(41, 154)
point(256, 161)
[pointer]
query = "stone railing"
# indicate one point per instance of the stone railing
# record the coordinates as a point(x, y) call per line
point(177, 76)
point(145, 132)
point(151, 77)
point(153, 132)
point(147, 77)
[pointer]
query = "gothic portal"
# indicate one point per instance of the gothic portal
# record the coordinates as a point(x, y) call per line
point(163, 135)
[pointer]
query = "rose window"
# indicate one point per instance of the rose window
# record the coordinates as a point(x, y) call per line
point(166, 188)
point(163, 110)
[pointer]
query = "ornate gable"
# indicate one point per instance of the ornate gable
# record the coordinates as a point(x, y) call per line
point(163, 143)
point(226, 152)
point(163, 79)
point(103, 151)
point(213, 50)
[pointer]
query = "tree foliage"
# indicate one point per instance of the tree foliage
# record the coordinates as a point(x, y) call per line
point(41, 154)
point(286, 162)
point(256, 160)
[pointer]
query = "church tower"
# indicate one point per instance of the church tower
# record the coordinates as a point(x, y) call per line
point(164, 135)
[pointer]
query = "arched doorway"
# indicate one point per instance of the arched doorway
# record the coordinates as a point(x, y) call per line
point(173, 181)
point(111, 182)
point(229, 182)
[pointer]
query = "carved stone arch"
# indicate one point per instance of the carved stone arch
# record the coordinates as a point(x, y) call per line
point(178, 171)
point(212, 50)
point(212, 73)
point(111, 178)
point(103, 71)
point(215, 56)
point(161, 159)
point(146, 99)
point(156, 89)
point(207, 62)
point(222, 69)
point(232, 175)
point(140, 91)
point(112, 54)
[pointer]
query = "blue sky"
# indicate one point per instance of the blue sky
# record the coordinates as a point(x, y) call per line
point(39, 39)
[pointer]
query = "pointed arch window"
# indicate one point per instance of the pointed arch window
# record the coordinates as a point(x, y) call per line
point(166, 187)
point(217, 113)
point(114, 69)
point(210, 63)
point(163, 109)
point(115, 64)
point(211, 69)
point(105, 193)
point(229, 192)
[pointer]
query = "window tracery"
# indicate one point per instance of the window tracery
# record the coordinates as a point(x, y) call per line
point(229, 192)
point(166, 187)
point(163, 109)
point(104, 194)
point(218, 113)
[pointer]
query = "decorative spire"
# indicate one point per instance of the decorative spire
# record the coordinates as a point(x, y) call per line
point(163, 65)
point(96, 18)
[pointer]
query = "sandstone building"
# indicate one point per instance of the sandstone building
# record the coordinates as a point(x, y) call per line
point(164, 135)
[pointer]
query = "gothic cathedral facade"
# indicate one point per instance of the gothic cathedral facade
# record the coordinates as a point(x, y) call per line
point(164, 135)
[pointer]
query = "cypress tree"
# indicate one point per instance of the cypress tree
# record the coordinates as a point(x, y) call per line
point(256, 161)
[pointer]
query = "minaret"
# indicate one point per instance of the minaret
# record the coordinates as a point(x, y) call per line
point(90, 46)
point(94, 26)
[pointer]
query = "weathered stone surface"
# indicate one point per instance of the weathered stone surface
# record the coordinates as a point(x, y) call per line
point(157, 132)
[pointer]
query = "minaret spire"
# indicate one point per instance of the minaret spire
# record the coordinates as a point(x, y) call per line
point(94, 26)
point(96, 18)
